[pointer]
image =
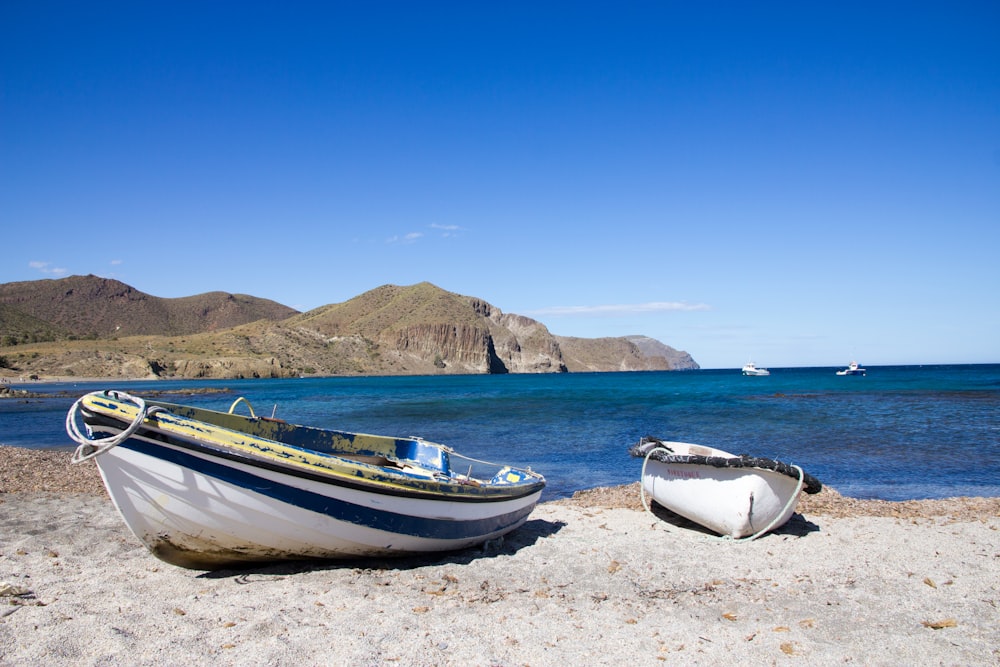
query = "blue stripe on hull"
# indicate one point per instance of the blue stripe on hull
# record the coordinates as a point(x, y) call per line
point(341, 510)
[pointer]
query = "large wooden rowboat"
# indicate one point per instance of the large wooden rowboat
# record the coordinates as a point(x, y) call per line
point(205, 489)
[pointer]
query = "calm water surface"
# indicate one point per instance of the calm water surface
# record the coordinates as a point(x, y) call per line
point(901, 432)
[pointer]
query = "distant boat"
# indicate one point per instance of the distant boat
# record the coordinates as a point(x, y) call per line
point(853, 369)
point(734, 496)
point(750, 369)
point(205, 489)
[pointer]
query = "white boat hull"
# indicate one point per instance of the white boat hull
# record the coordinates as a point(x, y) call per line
point(732, 501)
point(205, 514)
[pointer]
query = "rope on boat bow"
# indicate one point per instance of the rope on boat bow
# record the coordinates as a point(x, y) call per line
point(642, 477)
point(88, 447)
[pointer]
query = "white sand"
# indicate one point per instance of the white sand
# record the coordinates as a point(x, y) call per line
point(574, 586)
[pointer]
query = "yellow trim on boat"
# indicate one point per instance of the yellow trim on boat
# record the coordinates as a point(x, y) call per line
point(410, 477)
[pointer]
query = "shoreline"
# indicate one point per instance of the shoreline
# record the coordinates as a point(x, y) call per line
point(28, 471)
point(21, 382)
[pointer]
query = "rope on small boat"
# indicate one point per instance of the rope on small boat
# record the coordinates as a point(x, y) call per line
point(642, 478)
point(88, 447)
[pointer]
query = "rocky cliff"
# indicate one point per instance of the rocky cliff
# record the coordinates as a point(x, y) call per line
point(391, 330)
point(622, 354)
point(424, 329)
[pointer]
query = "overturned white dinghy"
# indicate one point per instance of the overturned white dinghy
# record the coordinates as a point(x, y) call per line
point(735, 496)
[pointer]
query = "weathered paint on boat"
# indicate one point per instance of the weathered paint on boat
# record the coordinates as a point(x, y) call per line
point(205, 489)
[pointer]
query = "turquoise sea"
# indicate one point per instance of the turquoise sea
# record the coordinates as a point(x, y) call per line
point(901, 432)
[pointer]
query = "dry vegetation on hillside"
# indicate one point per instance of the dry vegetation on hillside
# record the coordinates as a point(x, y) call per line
point(116, 331)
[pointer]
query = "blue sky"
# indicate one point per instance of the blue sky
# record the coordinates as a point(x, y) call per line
point(796, 183)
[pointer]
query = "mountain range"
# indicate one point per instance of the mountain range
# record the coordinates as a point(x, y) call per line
point(87, 326)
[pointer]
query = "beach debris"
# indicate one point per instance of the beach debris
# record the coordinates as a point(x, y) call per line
point(943, 623)
point(244, 579)
point(490, 593)
point(930, 582)
point(20, 596)
point(13, 590)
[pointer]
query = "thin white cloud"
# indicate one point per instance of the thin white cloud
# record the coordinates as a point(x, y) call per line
point(444, 231)
point(116, 262)
point(447, 230)
point(407, 238)
point(612, 310)
point(48, 270)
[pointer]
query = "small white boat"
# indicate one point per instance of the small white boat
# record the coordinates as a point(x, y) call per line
point(735, 496)
point(751, 369)
point(853, 369)
point(205, 489)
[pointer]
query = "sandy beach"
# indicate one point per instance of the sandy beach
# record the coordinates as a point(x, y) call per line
point(590, 580)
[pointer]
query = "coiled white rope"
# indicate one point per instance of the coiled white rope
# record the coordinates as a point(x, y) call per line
point(88, 447)
point(642, 478)
point(791, 500)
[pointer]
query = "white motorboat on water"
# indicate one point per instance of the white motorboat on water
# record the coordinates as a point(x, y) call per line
point(205, 489)
point(735, 496)
point(751, 369)
point(853, 369)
